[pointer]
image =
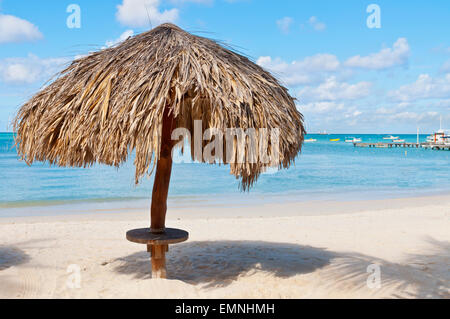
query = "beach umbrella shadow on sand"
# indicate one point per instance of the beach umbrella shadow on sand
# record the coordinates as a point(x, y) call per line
point(218, 263)
point(155, 92)
point(215, 264)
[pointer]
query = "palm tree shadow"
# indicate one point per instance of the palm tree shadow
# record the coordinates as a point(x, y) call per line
point(15, 254)
point(431, 272)
point(218, 263)
point(13, 281)
point(417, 276)
point(12, 256)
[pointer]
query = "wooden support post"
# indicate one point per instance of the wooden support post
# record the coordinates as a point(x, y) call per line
point(159, 195)
point(158, 238)
point(158, 260)
point(162, 176)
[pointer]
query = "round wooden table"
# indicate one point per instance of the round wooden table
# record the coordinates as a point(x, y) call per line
point(157, 245)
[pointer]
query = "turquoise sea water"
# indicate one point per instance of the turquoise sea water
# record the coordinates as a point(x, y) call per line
point(324, 170)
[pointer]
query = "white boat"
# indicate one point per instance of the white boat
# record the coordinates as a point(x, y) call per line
point(398, 141)
point(440, 137)
point(391, 137)
point(310, 140)
point(352, 140)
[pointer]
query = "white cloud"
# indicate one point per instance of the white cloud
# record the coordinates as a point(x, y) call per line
point(415, 117)
point(316, 24)
point(441, 103)
point(446, 67)
point(330, 99)
point(284, 24)
point(14, 29)
point(319, 62)
point(333, 102)
point(136, 13)
point(18, 73)
point(386, 58)
point(316, 68)
point(123, 37)
point(392, 109)
point(30, 69)
point(333, 90)
point(321, 107)
point(425, 87)
point(310, 69)
point(384, 110)
point(326, 114)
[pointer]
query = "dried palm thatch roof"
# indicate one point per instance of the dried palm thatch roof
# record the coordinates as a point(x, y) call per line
point(109, 103)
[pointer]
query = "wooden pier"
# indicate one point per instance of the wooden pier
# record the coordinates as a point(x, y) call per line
point(386, 145)
point(438, 147)
point(431, 146)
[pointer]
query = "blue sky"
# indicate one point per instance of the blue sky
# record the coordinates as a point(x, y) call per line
point(347, 77)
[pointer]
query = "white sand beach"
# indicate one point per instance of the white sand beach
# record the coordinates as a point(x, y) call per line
point(291, 250)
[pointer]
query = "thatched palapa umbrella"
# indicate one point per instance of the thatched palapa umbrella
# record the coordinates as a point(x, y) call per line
point(132, 96)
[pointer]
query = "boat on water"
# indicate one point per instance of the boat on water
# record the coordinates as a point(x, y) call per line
point(310, 140)
point(352, 140)
point(391, 137)
point(441, 137)
point(335, 140)
point(398, 141)
point(438, 141)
